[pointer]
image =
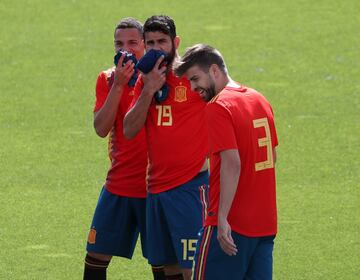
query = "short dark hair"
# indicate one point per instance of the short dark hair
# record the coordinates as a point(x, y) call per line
point(161, 23)
point(129, 22)
point(201, 55)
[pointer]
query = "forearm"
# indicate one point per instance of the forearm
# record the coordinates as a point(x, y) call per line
point(229, 178)
point(135, 118)
point(104, 118)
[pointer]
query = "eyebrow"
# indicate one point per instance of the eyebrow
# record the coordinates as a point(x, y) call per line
point(161, 40)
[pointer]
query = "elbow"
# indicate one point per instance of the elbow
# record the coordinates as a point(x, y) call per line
point(100, 131)
point(128, 130)
point(98, 128)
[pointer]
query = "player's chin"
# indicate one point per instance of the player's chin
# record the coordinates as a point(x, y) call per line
point(206, 97)
point(203, 94)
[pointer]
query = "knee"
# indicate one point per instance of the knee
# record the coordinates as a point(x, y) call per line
point(172, 269)
point(187, 273)
point(100, 257)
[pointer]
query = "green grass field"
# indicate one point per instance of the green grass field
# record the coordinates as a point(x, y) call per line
point(302, 55)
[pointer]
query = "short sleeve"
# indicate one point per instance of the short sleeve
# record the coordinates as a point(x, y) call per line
point(102, 91)
point(221, 129)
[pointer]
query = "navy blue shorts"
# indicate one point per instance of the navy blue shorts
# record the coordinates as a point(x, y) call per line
point(116, 225)
point(174, 219)
point(253, 260)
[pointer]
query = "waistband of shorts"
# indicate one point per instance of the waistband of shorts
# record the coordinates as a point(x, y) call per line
point(199, 175)
point(199, 179)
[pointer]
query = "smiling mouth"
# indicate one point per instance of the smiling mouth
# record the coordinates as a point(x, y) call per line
point(201, 92)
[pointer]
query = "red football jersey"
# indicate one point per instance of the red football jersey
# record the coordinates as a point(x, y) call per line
point(176, 135)
point(241, 118)
point(127, 174)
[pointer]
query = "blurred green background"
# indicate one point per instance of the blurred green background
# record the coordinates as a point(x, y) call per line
point(302, 55)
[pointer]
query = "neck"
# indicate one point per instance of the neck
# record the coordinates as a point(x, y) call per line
point(224, 81)
point(232, 83)
point(175, 60)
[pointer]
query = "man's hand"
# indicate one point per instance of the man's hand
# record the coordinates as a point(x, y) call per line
point(155, 79)
point(224, 237)
point(124, 72)
point(229, 177)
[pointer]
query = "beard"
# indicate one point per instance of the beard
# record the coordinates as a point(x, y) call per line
point(169, 59)
point(210, 91)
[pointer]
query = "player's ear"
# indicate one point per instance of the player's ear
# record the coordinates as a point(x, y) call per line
point(142, 44)
point(176, 42)
point(214, 70)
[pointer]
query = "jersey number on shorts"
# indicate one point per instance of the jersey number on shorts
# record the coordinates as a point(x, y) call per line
point(264, 142)
point(164, 115)
point(189, 247)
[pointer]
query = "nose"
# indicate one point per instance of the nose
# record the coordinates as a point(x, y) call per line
point(157, 47)
point(126, 47)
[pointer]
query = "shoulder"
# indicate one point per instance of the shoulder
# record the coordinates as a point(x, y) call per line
point(254, 92)
point(229, 99)
point(218, 105)
point(106, 74)
point(242, 94)
point(224, 98)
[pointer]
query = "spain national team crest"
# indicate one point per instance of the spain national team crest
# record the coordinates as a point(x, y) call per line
point(180, 94)
point(131, 93)
point(92, 236)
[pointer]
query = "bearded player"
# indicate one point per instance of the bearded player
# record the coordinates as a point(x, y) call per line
point(177, 140)
point(238, 238)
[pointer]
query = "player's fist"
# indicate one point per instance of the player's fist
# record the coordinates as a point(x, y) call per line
point(125, 72)
point(155, 79)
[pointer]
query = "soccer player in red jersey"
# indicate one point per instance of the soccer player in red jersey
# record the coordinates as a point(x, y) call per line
point(238, 237)
point(120, 214)
point(177, 141)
